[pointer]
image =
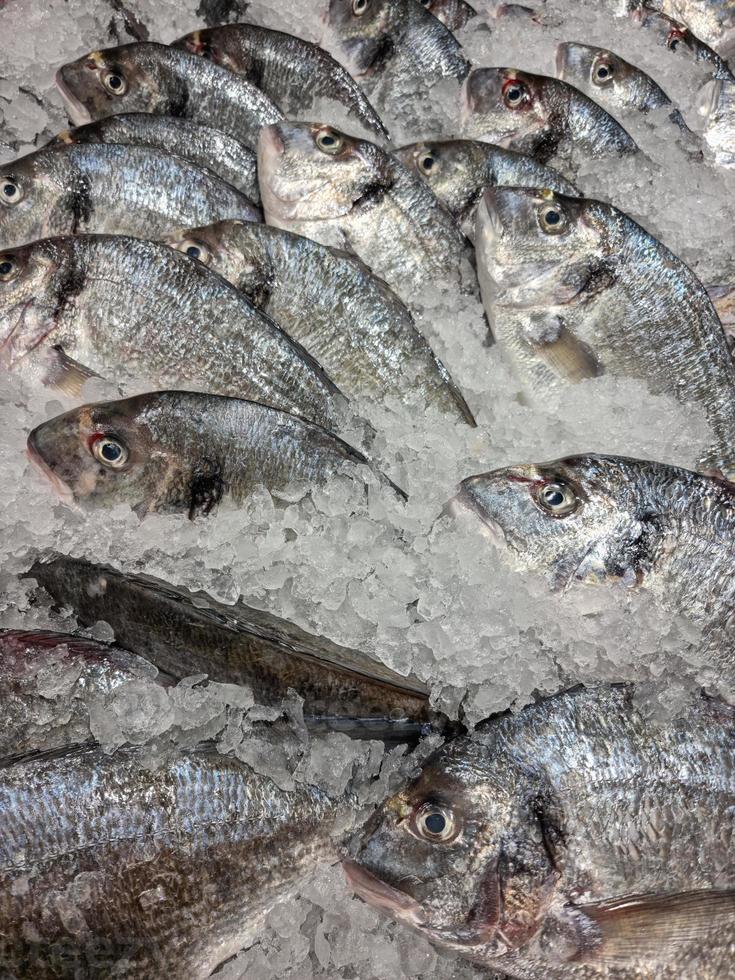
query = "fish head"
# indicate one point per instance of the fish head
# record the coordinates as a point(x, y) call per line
point(600, 70)
point(504, 106)
point(451, 168)
point(362, 31)
point(540, 248)
point(457, 854)
point(311, 171)
point(31, 190)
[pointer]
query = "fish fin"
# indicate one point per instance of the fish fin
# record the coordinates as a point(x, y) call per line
point(647, 926)
point(65, 373)
point(206, 489)
point(563, 353)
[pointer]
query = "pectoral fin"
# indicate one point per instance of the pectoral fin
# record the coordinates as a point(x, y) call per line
point(561, 351)
point(65, 373)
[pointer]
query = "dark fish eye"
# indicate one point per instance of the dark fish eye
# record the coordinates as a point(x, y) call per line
point(8, 268)
point(359, 7)
point(109, 451)
point(515, 93)
point(427, 163)
point(329, 142)
point(11, 192)
point(114, 82)
point(434, 823)
point(425, 3)
point(558, 498)
point(552, 219)
point(603, 73)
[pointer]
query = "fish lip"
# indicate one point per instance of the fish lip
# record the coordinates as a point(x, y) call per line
point(78, 113)
point(465, 502)
point(380, 894)
point(560, 60)
point(271, 141)
point(489, 203)
point(33, 453)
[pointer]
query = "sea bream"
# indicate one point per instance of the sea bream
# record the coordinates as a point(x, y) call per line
point(578, 839)
point(208, 148)
point(350, 193)
point(539, 115)
point(329, 301)
point(113, 306)
point(95, 187)
point(148, 77)
point(293, 72)
point(551, 269)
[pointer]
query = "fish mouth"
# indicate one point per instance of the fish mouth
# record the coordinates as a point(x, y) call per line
point(708, 97)
point(78, 113)
point(62, 489)
point(465, 502)
point(562, 61)
point(380, 894)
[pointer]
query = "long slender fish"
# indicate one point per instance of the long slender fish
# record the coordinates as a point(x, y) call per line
point(551, 269)
point(208, 148)
point(293, 72)
point(576, 840)
point(329, 301)
point(350, 193)
point(148, 872)
point(157, 78)
point(454, 14)
point(542, 116)
point(113, 304)
point(134, 190)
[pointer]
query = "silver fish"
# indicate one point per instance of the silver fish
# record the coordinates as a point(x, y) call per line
point(149, 77)
point(293, 72)
point(538, 115)
point(113, 303)
point(551, 269)
point(575, 840)
point(712, 20)
point(454, 14)
point(459, 171)
point(208, 148)
point(395, 37)
point(717, 104)
point(350, 193)
point(134, 190)
point(679, 39)
point(322, 296)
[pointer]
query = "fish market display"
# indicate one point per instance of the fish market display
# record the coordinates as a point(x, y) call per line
point(287, 69)
point(349, 193)
point(454, 14)
point(542, 116)
point(718, 106)
point(330, 302)
point(204, 146)
point(552, 268)
point(148, 77)
point(577, 839)
point(112, 303)
point(133, 190)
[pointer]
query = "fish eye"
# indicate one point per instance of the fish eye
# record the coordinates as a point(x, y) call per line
point(114, 82)
point(9, 268)
point(552, 219)
point(196, 250)
point(557, 498)
point(328, 141)
point(109, 451)
point(603, 73)
point(515, 93)
point(434, 823)
point(10, 191)
point(428, 164)
point(676, 35)
point(425, 3)
point(359, 7)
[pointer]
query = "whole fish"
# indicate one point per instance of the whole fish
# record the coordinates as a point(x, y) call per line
point(203, 146)
point(551, 269)
point(597, 519)
point(717, 104)
point(292, 72)
point(182, 451)
point(454, 14)
point(678, 38)
point(459, 171)
point(575, 840)
point(327, 300)
point(148, 872)
point(134, 190)
point(111, 304)
point(538, 115)
point(49, 681)
point(186, 633)
point(350, 193)
point(150, 77)
point(398, 37)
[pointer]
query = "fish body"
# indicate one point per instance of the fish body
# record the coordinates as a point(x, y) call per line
point(398, 38)
point(538, 115)
point(113, 867)
point(113, 303)
point(134, 190)
point(349, 193)
point(680, 40)
point(459, 171)
point(203, 146)
point(717, 101)
point(574, 840)
point(291, 71)
point(148, 77)
point(454, 14)
point(329, 301)
point(551, 269)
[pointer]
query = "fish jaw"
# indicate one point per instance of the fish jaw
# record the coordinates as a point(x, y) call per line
point(379, 894)
point(62, 489)
point(78, 112)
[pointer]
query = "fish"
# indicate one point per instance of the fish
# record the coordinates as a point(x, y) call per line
point(205, 147)
point(395, 38)
point(573, 840)
point(551, 268)
point(184, 633)
point(595, 519)
point(50, 681)
point(717, 105)
point(679, 39)
point(294, 73)
point(148, 77)
point(349, 193)
point(123, 305)
point(459, 171)
point(182, 452)
point(538, 115)
point(194, 850)
point(134, 190)
point(712, 20)
point(321, 296)
point(454, 14)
